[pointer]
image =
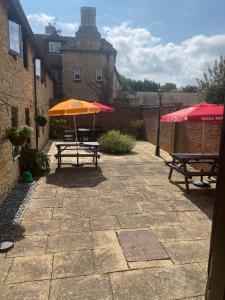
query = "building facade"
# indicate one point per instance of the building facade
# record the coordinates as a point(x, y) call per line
point(84, 65)
point(26, 85)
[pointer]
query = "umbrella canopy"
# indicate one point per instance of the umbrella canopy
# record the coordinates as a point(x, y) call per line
point(73, 107)
point(196, 113)
point(104, 107)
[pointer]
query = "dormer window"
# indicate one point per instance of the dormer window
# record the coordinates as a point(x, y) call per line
point(15, 37)
point(99, 74)
point(77, 74)
point(54, 47)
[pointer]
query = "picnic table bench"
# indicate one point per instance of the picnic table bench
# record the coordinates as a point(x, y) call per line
point(76, 146)
point(180, 162)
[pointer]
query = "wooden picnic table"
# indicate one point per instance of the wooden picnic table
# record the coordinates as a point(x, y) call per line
point(181, 161)
point(76, 146)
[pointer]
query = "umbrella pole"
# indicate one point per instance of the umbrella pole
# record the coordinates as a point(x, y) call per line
point(76, 140)
point(201, 182)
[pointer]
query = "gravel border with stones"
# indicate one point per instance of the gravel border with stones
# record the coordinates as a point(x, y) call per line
point(12, 207)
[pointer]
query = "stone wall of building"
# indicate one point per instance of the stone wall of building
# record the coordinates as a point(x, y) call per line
point(16, 90)
point(86, 88)
point(44, 95)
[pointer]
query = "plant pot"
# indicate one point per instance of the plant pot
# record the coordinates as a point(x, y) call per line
point(17, 141)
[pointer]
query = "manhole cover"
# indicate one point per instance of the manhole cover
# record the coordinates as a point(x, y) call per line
point(141, 245)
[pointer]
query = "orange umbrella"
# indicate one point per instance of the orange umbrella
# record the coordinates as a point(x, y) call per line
point(73, 107)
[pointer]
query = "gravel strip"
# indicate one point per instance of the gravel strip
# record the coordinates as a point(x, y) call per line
point(13, 206)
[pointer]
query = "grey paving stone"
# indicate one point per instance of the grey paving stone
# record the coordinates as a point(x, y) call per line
point(74, 263)
point(79, 288)
point(35, 290)
point(159, 283)
point(30, 245)
point(188, 251)
point(134, 221)
point(104, 223)
point(30, 268)
point(68, 242)
point(5, 264)
point(38, 227)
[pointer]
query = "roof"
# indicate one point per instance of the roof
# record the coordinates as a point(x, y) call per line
point(18, 10)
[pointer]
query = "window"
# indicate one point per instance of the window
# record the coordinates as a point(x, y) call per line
point(14, 123)
point(14, 37)
point(25, 53)
point(27, 116)
point(77, 74)
point(14, 116)
point(38, 67)
point(54, 47)
point(99, 74)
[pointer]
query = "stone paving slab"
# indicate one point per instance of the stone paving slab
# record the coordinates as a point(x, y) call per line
point(66, 244)
point(5, 265)
point(30, 268)
point(187, 252)
point(38, 227)
point(79, 288)
point(75, 225)
point(159, 283)
point(104, 223)
point(69, 241)
point(74, 263)
point(30, 245)
point(109, 260)
point(35, 290)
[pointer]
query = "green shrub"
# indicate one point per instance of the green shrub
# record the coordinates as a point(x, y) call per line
point(115, 142)
point(57, 127)
point(34, 161)
point(133, 127)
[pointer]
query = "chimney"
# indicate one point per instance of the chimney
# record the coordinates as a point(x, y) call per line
point(88, 16)
point(50, 30)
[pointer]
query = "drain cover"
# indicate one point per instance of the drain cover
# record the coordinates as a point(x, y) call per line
point(141, 245)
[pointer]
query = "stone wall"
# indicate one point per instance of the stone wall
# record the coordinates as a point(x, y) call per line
point(17, 90)
point(44, 94)
point(87, 88)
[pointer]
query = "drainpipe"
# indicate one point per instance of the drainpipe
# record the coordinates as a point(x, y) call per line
point(35, 104)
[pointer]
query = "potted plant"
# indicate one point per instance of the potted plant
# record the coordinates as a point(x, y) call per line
point(41, 120)
point(18, 135)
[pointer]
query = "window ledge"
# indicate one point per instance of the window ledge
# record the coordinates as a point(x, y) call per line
point(14, 54)
point(77, 80)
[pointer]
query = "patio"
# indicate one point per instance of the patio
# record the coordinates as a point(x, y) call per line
point(67, 246)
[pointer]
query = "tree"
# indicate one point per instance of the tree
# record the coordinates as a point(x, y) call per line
point(169, 86)
point(212, 86)
point(189, 89)
point(145, 85)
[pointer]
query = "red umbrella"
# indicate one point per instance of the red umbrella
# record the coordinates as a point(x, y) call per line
point(210, 113)
point(104, 107)
point(196, 113)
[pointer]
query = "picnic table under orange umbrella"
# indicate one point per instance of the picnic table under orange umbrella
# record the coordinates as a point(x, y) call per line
point(73, 107)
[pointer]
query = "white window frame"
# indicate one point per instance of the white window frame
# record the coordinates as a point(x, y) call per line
point(12, 49)
point(99, 75)
point(38, 68)
point(77, 72)
point(51, 47)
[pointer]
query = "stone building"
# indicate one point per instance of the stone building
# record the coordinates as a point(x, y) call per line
point(26, 85)
point(84, 65)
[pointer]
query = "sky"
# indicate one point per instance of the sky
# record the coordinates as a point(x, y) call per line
point(161, 40)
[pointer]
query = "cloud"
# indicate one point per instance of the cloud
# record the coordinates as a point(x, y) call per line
point(39, 21)
point(142, 55)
